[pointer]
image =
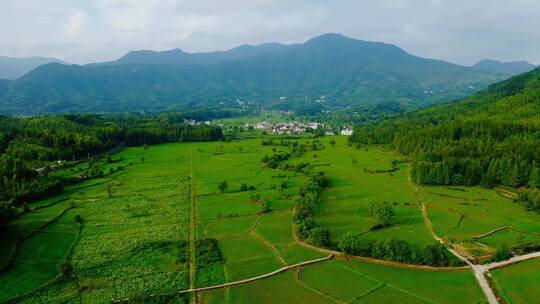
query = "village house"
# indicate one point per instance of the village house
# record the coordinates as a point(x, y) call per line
point(347, 131)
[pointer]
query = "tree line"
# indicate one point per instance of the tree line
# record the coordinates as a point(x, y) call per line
point(467, 152)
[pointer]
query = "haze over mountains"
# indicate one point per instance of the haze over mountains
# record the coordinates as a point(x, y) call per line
point(13, 68)
point(510, 68)
point(347, 72)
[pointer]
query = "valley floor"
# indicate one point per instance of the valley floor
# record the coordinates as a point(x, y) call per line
point(160, 230)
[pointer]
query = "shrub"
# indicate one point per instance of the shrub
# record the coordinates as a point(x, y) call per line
point(207, 252)
point(503, 253)
point(319, 236)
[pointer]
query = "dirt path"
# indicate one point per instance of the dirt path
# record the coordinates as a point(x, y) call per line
point(267, 243)
point(480, 271)
point(191, 231)
point(489, 233)
point(257, 278)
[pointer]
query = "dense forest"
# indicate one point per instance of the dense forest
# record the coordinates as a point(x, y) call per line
point(491, 138)
point(31, 147)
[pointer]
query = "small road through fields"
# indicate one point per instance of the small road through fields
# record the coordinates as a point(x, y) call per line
point(480, 271)
point(477, 269)
point(252, 279)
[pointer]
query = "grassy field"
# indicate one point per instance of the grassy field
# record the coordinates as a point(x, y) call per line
point(518, 283)
point(466, 216)
point(355, 183)
point(126, 234)
point(361, 282)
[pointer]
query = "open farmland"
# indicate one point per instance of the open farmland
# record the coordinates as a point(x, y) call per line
point(479, 220)
point(518, 283)
point(161, 225)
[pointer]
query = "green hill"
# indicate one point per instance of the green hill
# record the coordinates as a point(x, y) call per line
point(490, 138)
point(346, 71)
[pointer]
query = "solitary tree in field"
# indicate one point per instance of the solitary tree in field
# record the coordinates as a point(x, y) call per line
point(333, 143)
point(354, 161)
point(383, 212)
point(223, 186)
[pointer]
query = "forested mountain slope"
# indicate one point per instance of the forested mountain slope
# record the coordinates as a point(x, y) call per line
point(490, 138)
point(346, 71)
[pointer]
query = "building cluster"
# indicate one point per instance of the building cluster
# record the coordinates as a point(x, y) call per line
point(193, 122)
point(296, 128)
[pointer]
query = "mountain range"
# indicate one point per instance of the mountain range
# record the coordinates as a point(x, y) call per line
point(13, 68)
point(331, 69)
point(177, 56)
point(511, 68)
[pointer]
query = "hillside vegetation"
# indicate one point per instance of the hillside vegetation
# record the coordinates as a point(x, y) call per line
point(490, 138)
point(338, 70)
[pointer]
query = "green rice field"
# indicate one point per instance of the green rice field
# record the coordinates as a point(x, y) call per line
point(161, 225)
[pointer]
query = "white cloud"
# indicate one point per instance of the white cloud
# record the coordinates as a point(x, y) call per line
point(75, 22)
point(461, 31)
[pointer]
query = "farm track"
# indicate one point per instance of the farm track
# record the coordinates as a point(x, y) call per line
point(479, 271)
point(490, 232)
point(257, 278)
point(267, 243)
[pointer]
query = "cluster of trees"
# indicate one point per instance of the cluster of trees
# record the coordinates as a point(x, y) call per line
point(382, 212)
point(396, 250)
point(530, 200)
point(275, 160)
point(31, 147)
point(307, 198)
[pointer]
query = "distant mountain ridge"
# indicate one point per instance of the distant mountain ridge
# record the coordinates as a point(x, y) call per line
point(177, 56)
point(511, 68)
point(13, 68)
point(348, 72)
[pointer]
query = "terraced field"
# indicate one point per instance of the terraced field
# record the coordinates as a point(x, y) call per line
point(162, 225)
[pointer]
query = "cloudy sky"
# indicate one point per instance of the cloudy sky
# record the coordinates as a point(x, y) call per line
point(82, 31)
